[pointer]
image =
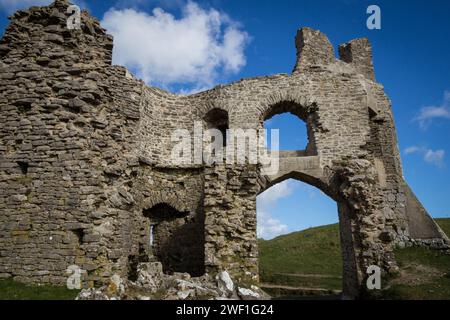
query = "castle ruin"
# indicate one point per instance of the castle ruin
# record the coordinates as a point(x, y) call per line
point(85, 178)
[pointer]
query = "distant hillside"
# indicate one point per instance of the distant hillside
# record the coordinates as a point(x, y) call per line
point(304, 250)
point(311, 259)
point(444, 223)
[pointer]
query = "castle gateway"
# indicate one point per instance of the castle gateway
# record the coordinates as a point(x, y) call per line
point(85, 180)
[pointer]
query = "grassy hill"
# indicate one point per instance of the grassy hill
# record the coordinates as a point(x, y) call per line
point(425, 274)
point(311, 259)
point(444, 223)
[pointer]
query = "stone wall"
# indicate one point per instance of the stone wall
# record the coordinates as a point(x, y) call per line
point(85, 164)
point(67, 126)
point(230, 221)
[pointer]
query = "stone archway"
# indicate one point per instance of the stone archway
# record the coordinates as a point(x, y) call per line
point(172, 237)
point(337, 180)
point(349, 269)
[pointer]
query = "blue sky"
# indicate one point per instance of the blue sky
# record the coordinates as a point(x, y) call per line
point(229, 39)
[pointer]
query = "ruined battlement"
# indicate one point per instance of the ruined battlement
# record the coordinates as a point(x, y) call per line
point(41, 33)
point(85, 177)
point(314, 50)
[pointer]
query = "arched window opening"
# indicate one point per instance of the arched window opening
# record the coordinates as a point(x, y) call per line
point(174, 238)
point(294, 126)
point(299, 241)
point(217, 119)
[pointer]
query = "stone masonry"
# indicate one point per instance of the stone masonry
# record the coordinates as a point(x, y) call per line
point(85, 178)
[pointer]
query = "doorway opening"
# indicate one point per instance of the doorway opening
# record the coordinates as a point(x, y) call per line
point(174, 238)
point(299, 241)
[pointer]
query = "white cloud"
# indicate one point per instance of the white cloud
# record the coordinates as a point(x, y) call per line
point(269, 227)
point(271, 196)
point(428, 114)
point(435, 157)
point(412, 149)
point(10, 6)
point(164, 50)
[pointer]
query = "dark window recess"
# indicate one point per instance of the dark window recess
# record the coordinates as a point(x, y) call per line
point(133, 262)
point(175, 239)
point(23, 166)
point(24, 108)
point(79, 233)
point(218, 119)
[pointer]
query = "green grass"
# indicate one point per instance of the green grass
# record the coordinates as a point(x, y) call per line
point(425, 274)
point(315, 251)
point(444, 223)
point(12, 290)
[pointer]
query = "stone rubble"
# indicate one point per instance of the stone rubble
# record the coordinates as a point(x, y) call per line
point(152, 283)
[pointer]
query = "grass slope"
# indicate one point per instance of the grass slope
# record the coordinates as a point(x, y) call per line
point(12, 290)
point(425, 274)
point(444, 223)
point(299, 258)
